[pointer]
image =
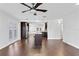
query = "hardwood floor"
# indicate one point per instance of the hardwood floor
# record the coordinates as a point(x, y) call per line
point(49, 48)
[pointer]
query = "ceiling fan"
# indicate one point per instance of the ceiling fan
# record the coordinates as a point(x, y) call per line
point(34, 7)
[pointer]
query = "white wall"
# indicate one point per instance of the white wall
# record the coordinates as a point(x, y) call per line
point(53, 29)
point(7, 22)
point(71, 29)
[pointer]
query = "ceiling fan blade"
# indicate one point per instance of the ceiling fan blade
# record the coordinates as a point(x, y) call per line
point(26, 5)
point(26, 11)
point(38, 4)
point(41, 10)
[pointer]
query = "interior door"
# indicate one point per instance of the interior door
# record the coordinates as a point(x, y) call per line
point(23, 30)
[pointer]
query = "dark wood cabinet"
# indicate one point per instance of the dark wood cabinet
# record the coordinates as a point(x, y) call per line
point(44, 34)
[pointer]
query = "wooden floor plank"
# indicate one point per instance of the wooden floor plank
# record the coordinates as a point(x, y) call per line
point(49, 48)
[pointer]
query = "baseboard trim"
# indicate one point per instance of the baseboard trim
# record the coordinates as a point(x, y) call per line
point(54, 38)
point(9, 43)
point(71, 44)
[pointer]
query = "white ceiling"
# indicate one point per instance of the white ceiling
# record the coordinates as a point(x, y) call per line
point(55, 10)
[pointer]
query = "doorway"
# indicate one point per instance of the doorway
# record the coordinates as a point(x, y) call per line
point(44, 33)
point(24, 30)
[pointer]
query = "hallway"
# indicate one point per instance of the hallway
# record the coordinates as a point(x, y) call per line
point(55, 22)
point(49, 48)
